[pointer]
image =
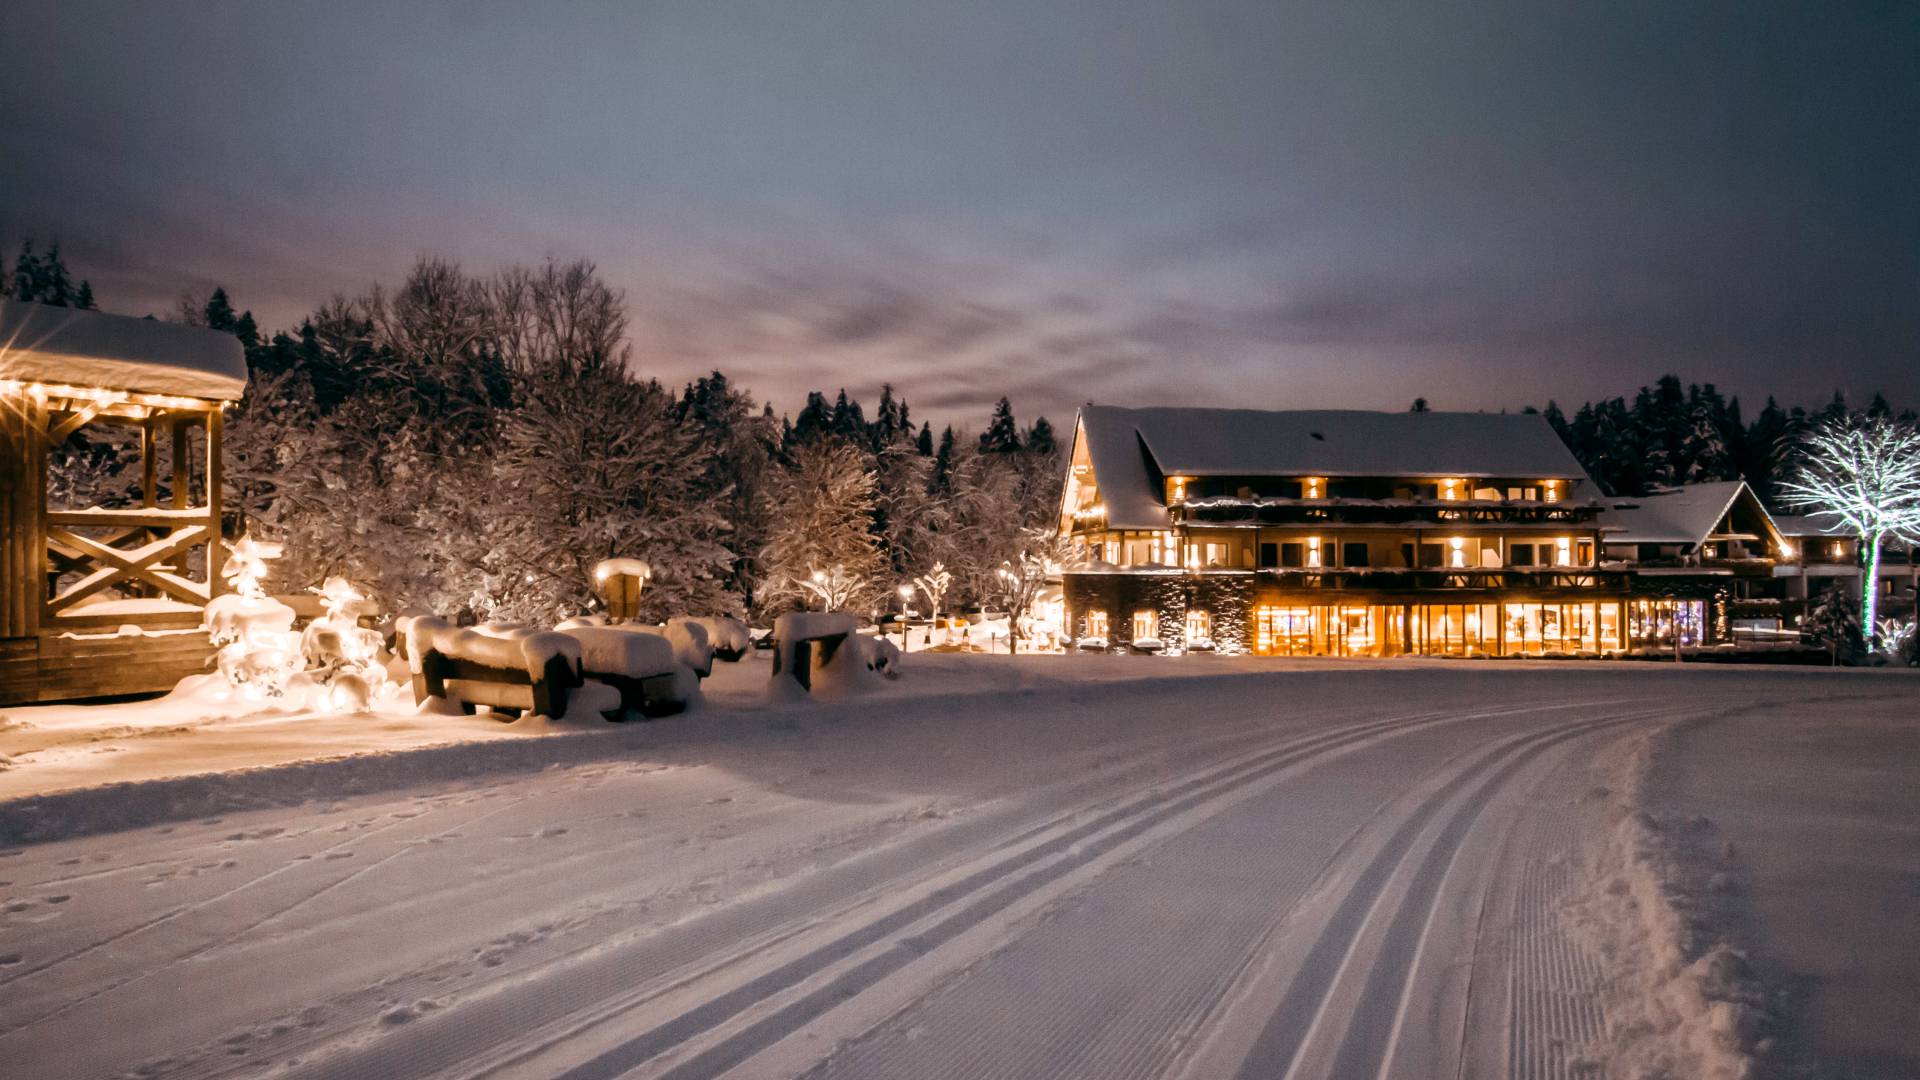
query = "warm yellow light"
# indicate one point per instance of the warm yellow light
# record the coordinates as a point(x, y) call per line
point(1786, 551)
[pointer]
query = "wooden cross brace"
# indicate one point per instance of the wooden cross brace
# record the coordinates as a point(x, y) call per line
point(135, 565)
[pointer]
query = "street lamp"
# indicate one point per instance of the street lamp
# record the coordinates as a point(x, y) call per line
point(906, 594)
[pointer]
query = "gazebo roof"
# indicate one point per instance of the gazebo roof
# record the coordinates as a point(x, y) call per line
point(71, 347)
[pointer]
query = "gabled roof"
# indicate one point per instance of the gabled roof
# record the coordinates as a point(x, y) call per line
point(1802, 525)
point(1683, 515)
point(1129, 446)
point(71, 347)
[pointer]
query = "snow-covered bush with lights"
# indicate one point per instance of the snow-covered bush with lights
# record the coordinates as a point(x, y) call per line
point(258, 650)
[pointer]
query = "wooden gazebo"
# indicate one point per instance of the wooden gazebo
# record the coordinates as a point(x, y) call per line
point(101, 600)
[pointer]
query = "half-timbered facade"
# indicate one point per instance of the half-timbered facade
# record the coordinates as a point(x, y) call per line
point(107, 599)
point(1347, 533)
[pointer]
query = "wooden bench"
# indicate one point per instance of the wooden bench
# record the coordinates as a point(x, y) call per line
point(477, 668)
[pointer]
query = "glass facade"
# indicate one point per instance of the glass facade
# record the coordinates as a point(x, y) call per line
point(1496, 629)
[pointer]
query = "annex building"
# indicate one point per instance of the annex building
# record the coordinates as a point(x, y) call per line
point(1338, 533)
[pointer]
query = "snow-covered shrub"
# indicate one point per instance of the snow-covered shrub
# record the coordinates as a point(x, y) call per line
point(1898, 643)
point(1833, 623)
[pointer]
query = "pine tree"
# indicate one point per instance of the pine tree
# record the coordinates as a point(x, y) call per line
point(1003, 434)
point(941, 481)
point(815, 420)
point(1419, 405)
point(1040, 438)
point(924, 444)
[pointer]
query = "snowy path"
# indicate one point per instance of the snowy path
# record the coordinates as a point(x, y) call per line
point(1362, 872)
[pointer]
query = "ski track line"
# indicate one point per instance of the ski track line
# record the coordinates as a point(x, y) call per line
point(1149, 1002)
point(1553, 982)
point(713, 1012)
point(250, 927)
point(1184, 989)
point(1136, 818)
point(1252, 733)
point(703, 963)
point(1281, 1047)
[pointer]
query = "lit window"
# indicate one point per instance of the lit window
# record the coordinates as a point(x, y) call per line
point(1563, 551)
point(1097, 624)
point(1315, 487)
point(1550, 490)
point(1450, 490)
point(1458, 558)
point(1313, 551)
point(1146, 624)
point(1199, 626)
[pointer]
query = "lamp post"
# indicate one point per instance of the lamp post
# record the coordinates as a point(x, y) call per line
point(906, 594)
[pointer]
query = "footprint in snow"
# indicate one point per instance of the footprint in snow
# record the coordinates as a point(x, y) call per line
point(60, 899)
point(9, 959)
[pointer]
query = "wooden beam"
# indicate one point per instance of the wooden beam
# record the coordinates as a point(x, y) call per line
point(57, 432)
point(137, 517)
point(149, 464)
point(182, 468)
point(216, 477)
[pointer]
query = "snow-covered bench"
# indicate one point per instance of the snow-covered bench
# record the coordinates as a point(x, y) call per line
point(729, 638)
point(687, 637)
point(812, 648)
point(502, 667)
point(639, 662)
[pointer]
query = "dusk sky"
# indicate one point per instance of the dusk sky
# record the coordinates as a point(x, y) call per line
point(1232, 203)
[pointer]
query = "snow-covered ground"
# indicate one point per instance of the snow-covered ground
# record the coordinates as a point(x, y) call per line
point(1062, 866)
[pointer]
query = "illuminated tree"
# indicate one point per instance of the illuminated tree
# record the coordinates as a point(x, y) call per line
point(1863, 472)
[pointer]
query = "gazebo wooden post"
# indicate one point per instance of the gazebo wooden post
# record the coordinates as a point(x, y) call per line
point(182, 468)
point(215, 478)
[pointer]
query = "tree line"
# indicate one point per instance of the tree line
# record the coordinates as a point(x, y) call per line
point(473, 444)
point(1672, 434)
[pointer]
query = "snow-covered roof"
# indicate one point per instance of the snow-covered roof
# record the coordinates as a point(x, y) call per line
point(1128, 445)
point(1800, 525)
point(71, 347)
point(1682, 515)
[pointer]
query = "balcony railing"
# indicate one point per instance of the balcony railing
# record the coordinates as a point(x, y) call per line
point(1277, 511)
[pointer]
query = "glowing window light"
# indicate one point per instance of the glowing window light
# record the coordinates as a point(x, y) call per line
point(1450, 490)
point(1563, 551)
point(1313, 551)
point(1314, 487)
point(1459, 556)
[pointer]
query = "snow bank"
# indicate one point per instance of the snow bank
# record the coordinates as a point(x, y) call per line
point(496, 645)
point(1682, 1001)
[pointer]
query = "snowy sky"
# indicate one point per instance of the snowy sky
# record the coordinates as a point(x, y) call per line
point(1209, 202)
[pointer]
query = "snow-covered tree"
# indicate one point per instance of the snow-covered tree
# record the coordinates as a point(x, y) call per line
point(594, 465)
point(1862, 471)
point(934, 585)
point(1020, 579)
point(822, 520)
